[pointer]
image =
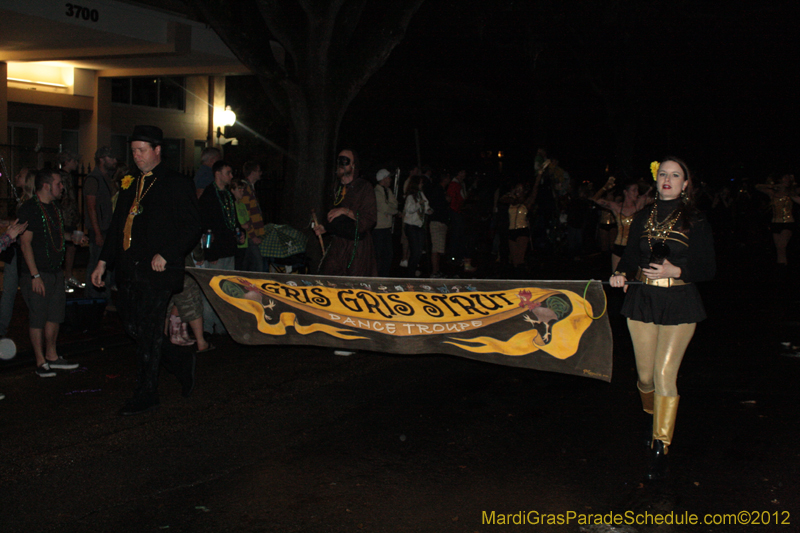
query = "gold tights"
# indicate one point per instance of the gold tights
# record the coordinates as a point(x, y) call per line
point(659, 351)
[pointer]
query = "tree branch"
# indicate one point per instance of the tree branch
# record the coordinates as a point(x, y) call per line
point(287, 24)
point(238, 34)
point(346, 22)
point(379, 39)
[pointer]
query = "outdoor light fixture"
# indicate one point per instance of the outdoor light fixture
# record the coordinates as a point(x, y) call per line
point(33, 82)
point(225, 117)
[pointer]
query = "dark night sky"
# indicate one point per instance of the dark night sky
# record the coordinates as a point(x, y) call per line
point(713, 82)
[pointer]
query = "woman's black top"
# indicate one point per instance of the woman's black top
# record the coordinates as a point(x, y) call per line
point(690, 248)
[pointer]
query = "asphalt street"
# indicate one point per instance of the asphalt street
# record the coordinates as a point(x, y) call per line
point(278, 439)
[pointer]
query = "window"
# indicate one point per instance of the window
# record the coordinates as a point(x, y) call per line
point(166, 92)
point(121, 90)
point(171, 93)
point(144, 91)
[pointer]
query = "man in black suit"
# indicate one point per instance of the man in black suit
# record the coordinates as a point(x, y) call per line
point(155, 224)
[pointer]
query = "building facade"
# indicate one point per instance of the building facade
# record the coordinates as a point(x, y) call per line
point(79, 77)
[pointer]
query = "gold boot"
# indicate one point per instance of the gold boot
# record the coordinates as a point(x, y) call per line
point(647, 399)
point(665, 411)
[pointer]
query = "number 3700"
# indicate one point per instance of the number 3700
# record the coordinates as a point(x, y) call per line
point(81, 12)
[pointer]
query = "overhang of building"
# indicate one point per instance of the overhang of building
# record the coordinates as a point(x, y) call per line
point(112, 38)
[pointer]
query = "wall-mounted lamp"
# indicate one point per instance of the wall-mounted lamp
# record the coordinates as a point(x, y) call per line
point(221, 139)
point(225, 117)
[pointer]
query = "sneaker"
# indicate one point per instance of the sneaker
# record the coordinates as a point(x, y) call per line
point(62, 364)
point(67, 288)
point(44, 371)
point(75, 283)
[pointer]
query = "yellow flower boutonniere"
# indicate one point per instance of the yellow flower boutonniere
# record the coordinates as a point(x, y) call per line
point(126, 181)
point(654, 168)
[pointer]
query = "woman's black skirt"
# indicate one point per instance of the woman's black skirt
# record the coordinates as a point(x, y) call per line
point(667, 306)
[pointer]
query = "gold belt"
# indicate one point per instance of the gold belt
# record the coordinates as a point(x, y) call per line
point(665, 282)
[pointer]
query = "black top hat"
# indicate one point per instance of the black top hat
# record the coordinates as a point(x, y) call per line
point(148, 134)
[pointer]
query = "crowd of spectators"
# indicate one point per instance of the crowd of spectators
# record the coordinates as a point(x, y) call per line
point(473, 224)
point(434, 223)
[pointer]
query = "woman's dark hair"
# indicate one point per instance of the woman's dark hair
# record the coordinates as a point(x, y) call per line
point(629, 182)
point(414, 185)
point(689, 211)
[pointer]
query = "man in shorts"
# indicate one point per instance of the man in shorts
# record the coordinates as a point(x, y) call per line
point(41, 278)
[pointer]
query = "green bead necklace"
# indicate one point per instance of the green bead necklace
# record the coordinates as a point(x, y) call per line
point(48, 228)
point(228, 207)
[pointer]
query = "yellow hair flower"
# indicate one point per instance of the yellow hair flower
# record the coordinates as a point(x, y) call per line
point(126, 181)
point(654, 168)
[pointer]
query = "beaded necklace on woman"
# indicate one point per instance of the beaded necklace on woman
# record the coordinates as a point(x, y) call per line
point(228, 207)
point(660, 231)
point(51, 228)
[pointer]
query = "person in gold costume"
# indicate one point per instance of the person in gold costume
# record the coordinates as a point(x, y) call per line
point(670, 248)
point(519, 201)
point(781, 197)
point(632, 203)
point(606, 226)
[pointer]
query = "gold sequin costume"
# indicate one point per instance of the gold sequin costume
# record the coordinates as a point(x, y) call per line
point(782, 210)
point(517, 217)
point(623, 228)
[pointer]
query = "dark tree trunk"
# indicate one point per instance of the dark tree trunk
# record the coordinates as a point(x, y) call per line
point(312, 59)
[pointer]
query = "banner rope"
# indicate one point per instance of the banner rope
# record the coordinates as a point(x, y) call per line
point(605, 305)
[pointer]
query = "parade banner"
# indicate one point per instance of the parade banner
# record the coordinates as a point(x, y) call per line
point(545, 325)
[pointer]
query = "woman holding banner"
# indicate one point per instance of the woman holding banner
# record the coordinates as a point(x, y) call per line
point(670, 247)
